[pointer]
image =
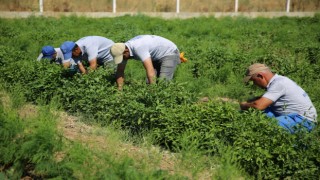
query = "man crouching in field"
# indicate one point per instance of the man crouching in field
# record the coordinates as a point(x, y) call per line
point(283, 99)
point(55, 55)
point(159, 56)
point(94, 49)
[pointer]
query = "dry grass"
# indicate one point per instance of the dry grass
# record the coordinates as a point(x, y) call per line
point(159, 5)
point(106, 140)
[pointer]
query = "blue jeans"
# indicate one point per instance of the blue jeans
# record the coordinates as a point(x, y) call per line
point(291, 120)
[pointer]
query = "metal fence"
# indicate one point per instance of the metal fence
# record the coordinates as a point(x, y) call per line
point(172, 6)
point(114, 5)
point(236, 6)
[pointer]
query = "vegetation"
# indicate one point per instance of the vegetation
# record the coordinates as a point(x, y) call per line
point(219, 50)
point(33, 147)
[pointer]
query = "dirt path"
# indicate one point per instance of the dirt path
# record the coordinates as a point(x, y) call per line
point(98, 138)
point(80, 132)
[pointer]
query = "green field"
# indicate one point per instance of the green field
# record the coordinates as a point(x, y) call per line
point(218, 52)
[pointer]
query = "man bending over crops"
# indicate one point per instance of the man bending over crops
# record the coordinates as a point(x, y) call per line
point(283, 99)
point(94, 49)
point(159, 56)
point(54, 55)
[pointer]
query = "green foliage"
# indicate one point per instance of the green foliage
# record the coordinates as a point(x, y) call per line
point(227, 169)
point(32, 147)
point(218, 50)
point(26, 145)
point(11, 126)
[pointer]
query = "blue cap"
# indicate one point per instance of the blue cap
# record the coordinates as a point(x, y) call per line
point(48, 52)
point(66, 49)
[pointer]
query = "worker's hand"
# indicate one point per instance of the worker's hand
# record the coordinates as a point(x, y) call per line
point(243, 105)
point(120, 87)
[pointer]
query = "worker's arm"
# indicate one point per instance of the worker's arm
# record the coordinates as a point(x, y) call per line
point(93, 63)
point(82, 68)
point(261, 104)
point(66, 64)
point(120, 75)
point(149, 70)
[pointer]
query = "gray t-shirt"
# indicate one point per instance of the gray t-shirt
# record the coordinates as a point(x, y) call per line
point(289, 98)
point(95, 47)
point(146, 46)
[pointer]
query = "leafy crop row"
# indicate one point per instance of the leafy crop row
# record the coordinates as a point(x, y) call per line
point(218, 50)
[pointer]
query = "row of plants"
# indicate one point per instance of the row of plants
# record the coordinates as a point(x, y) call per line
point(32, 147)
point(173, 112)
point(218, 55)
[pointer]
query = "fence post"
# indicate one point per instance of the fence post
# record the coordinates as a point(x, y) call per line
point(178, 6)
point(114, 5)
point(288, 6)
point(41, 6)
point(236, 3)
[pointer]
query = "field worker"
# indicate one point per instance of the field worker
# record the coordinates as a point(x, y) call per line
point(50, 53)
point(54, 55)
point(283, 99)
point(94, 49)
point(159, 56)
